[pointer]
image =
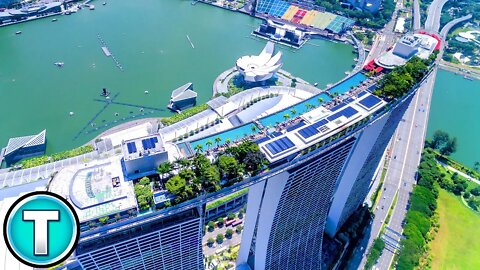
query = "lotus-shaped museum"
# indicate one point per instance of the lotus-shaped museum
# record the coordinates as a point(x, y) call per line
point(258, 68)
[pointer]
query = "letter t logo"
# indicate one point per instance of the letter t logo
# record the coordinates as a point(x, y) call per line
point(40, 220)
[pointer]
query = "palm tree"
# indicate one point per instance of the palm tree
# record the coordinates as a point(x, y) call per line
point(308, 106)
point(164, 168)
point(218, 140)
point(184, 162)
point(286, 116)
point(228, 141)
point(293, 111)
point(254, 128)
point(177, 162)
point(320, 100)
point(209, 143)
point(199, 148)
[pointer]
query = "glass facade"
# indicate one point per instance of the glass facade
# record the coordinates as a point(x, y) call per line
point(170, 243)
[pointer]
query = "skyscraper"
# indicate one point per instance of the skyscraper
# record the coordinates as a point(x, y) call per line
point(287, 214)
point(172, 242)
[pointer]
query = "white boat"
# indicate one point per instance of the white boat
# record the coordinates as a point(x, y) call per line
point(104, 3)
point(18, 32)
point(54, 20)
point(59, 64)
point(91, 7)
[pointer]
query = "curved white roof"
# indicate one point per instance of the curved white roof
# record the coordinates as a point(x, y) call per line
point(256, 68)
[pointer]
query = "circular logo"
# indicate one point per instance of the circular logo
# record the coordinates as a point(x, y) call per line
point(41, 229)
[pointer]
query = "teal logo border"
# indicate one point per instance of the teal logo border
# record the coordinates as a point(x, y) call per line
point(21, 199)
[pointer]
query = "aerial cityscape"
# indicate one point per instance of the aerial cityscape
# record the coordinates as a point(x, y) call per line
point(239, 134)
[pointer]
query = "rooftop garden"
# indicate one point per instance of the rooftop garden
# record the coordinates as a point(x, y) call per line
point(37, 161)
point(184, 114)
point(187, 178)
point(402, 78)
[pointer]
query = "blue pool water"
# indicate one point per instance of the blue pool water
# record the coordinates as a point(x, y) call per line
point(347, 84)
point(301, 108)
point(232, 134)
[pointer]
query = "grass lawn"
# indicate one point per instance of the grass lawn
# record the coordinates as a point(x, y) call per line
point(456, 245)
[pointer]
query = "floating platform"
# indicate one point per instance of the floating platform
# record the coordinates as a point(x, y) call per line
point(106, 51)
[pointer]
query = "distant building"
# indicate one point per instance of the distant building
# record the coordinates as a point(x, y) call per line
point(259, 68)
point(142, 156)
point(25, 147)
point(366, 5)
point(37, 10)
point(282, 33)
point(183, 97)
point(421, 45)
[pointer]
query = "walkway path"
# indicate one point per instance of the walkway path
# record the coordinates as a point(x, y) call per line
point(18, 177)
point(450, 168)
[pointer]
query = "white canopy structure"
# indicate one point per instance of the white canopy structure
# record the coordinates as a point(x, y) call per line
point(257, 68)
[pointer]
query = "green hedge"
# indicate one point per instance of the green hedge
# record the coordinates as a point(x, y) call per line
point(227, 198)
point(184, 114)
point(419, 218)
point(37, 161)
point(375, 252)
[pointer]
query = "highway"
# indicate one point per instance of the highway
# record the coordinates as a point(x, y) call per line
point(432, 23)
point(417, 24)
point(411, 135)
point(386, 38)
point(405, 154)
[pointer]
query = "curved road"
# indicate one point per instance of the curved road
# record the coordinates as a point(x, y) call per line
point(452, 23)
point(434, 13)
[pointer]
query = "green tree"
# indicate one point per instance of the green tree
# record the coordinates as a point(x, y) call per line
point(209, 143)
point(175, 185)
point(229, 233)
point(254, 160)
point(228, 166)
point(286, 116)
point(164, 168)
point(210, 241)
point(145, 181)
point(211, 225)
point(220, 238)
point(211, 176)
point(475, 191)
point(228, 141)
point(198, 148)
point(218, 140)
point(239, 228)
point(293, 111)
point(439, 139)
point(450, 147)
point(231, 216)
point(320, 100)
point(220, 222)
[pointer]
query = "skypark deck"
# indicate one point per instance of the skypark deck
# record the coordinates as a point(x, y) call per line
point(326, 123)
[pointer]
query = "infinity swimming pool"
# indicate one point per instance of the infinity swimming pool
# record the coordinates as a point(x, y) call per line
point(299, 109)
point(232, 134)
point(348, 83)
